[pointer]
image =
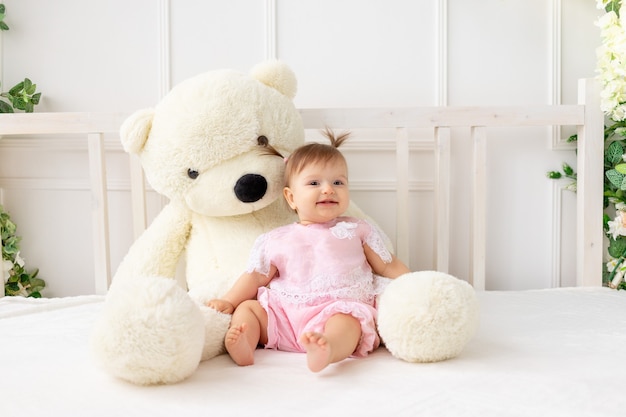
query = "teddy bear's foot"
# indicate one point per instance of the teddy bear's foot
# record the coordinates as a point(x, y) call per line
point(149, 332)
point(427, 316)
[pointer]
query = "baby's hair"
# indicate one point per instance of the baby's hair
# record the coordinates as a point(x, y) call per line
point(316, 152)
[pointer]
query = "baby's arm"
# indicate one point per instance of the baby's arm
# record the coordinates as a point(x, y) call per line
point(393, 269)
point(245, 288)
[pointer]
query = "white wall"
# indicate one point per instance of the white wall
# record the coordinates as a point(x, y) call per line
point(87, 55)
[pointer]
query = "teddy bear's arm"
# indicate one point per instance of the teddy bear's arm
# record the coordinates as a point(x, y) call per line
point(157, 251)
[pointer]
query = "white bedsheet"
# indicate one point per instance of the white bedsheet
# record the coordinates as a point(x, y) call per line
point(537, 353)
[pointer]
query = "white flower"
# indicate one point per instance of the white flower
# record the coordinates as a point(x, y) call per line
point(19, 260)
point(572, 187)
point(6, 270)
point(620, 206)
point(611, 64)
point(610, 266)
point(601, 4)
point(343, 230)
point(23, 291)
point(617, 227)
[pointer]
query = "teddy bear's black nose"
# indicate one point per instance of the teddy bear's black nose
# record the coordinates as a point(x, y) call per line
point(250, 188)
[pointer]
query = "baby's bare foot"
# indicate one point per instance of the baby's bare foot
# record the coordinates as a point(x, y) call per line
point(237, 345)
point(318, 351)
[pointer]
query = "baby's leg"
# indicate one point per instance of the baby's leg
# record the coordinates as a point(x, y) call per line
point(248, 328)
point(341, 336)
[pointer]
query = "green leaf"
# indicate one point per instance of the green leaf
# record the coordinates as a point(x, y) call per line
point(613, 6)
point(568, 169)
point(617, 247)
point(614, 153)
point(3, 26)
point(15, 90)
point(29, 87)
point(615, 178)
point(621, 168)
point(5, 107)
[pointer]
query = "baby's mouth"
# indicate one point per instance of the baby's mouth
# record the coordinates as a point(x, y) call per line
point(327, 202)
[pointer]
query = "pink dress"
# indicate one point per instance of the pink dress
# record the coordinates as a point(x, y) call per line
point(322, 271)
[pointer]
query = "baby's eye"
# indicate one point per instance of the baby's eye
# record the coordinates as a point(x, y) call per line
point(314, 183)
point(338, 182)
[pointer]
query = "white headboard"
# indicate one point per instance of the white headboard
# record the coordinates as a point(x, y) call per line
point(586, 116)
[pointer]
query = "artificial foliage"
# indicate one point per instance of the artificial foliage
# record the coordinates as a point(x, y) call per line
point(17, 280)
point(611, 69)
point(23, 95)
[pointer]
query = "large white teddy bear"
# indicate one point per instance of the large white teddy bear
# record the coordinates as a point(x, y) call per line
point(213, 147)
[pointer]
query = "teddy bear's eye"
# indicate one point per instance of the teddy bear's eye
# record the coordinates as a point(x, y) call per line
point(192, 173)
point(262, 140)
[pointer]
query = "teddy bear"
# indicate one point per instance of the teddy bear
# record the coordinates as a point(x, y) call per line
point(215, 147)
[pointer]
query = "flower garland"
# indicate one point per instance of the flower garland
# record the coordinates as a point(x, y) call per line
point(16, 280)
point(611, 69)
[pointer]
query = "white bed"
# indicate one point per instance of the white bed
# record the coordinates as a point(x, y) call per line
point(552, 352)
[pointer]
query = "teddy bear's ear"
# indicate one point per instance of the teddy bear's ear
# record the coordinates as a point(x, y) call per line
point(278, 75)
point(135, 130)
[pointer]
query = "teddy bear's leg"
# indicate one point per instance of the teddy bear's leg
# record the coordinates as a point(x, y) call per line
point(427, 316)
point(149, 332)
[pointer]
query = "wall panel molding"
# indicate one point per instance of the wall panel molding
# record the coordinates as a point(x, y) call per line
point(442, 53)
point(57, 145)
point(82, 184)
point(556, 81)
point(387, 146)
point(270, 30)
point(165, 79)
point(59, 184)
point(558, 188)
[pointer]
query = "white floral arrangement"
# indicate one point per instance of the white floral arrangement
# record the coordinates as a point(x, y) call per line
point(611, 70)
point(611, 64)
point(17, 281)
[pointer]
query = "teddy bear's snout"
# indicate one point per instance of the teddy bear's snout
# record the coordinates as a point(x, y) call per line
point(250, 188)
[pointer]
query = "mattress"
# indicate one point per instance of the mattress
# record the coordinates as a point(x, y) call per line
point(555, 352)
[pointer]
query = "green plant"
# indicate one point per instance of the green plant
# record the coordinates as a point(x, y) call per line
point(23, 95)
point(611, 68)
point(17, 281)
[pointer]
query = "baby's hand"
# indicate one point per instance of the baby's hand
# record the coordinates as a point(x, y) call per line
point(222, 306)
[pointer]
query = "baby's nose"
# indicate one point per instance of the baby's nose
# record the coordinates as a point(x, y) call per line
point(327, 188)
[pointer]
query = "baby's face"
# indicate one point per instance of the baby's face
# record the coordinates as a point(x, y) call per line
point(319, 193)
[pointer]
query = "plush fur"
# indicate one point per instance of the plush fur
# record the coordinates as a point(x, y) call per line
point(204, 147)
point(427, 316)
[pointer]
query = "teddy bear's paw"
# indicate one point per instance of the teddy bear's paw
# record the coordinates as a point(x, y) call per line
point(149, 332)
point(427, 316)
point(215, 327)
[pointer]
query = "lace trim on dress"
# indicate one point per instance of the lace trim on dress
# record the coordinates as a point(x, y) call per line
point(344, 230)
point(258, 261)
point(357, 285)
point(375, 241)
